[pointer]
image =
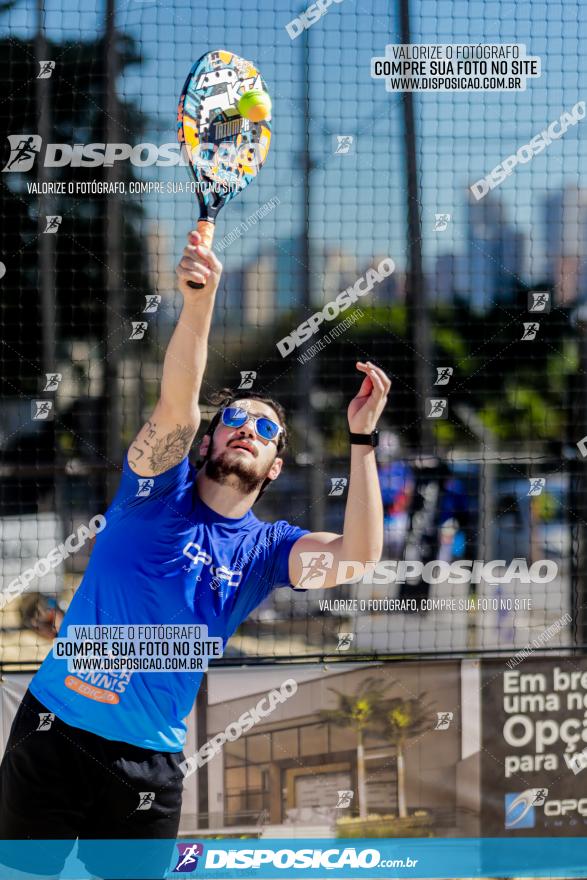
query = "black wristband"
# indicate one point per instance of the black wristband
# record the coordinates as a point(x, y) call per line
point(371, 439)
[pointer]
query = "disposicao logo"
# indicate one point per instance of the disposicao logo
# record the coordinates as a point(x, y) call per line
point(24, 149)
point(187, 857)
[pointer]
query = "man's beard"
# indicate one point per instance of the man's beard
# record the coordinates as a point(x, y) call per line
point(234, 472)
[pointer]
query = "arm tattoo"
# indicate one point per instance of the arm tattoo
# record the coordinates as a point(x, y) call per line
point(148, 426)
point(169, 450)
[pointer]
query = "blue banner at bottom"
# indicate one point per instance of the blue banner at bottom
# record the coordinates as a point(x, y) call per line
point(294, 858)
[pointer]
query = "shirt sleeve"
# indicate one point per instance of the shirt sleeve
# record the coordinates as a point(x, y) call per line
point(136, 491)
point(277, 546)
point(270, 570)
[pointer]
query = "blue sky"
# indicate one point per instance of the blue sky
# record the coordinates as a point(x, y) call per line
point(358, 200)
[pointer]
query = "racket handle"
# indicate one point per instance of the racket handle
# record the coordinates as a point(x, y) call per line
point(206, 230)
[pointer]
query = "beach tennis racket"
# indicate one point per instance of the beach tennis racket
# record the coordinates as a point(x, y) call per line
point(224, 151)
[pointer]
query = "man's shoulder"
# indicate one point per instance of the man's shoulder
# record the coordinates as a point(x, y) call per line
point(263, 525)
point(269, 535)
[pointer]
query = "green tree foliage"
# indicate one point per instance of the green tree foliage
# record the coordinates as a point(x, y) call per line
point(77, 104)
point(520, 389)
point(358, 711)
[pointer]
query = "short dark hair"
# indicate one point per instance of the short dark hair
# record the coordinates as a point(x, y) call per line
point(226, 397)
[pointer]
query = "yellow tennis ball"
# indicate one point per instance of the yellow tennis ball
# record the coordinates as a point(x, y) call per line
point(254, 105)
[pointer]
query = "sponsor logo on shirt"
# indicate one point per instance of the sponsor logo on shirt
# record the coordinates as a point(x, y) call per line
point(103, 687)
point(219, 573)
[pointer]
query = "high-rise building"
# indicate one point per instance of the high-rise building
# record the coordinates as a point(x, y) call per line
point(339, 271)
point(565, 221)
point(230, 297)
point(290, 273)
point(449, 278)
point(261, 291)
point(389, 291)
point(495, 255)
point(259, 283)
point(247, 294)
point(331, 271)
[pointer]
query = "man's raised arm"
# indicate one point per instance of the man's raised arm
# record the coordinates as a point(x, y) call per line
point(362, 537)
point(166, 437)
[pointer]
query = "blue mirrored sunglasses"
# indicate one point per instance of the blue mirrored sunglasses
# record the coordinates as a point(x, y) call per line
point(235, 417)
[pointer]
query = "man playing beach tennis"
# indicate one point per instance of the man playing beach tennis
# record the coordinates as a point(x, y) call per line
point(96, 754)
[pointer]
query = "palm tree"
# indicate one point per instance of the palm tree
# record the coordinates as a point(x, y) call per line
point(358, 711)
point(399, 720)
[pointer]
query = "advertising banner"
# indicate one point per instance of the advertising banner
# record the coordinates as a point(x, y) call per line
point(534, 748)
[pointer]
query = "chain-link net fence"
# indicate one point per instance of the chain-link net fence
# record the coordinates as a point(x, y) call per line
point(458, 219)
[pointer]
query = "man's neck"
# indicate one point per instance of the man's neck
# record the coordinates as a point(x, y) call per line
point(224, 498)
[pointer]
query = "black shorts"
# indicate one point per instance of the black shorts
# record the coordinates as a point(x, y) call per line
point(61, 783)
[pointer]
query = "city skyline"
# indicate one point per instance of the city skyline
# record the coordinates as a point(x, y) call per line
point(494, 260)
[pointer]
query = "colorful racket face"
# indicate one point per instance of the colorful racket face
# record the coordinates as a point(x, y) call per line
point(224, 151)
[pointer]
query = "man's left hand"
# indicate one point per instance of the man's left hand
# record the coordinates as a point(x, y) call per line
point(366, 408)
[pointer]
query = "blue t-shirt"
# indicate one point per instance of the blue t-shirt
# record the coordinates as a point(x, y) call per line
point(138, 573)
